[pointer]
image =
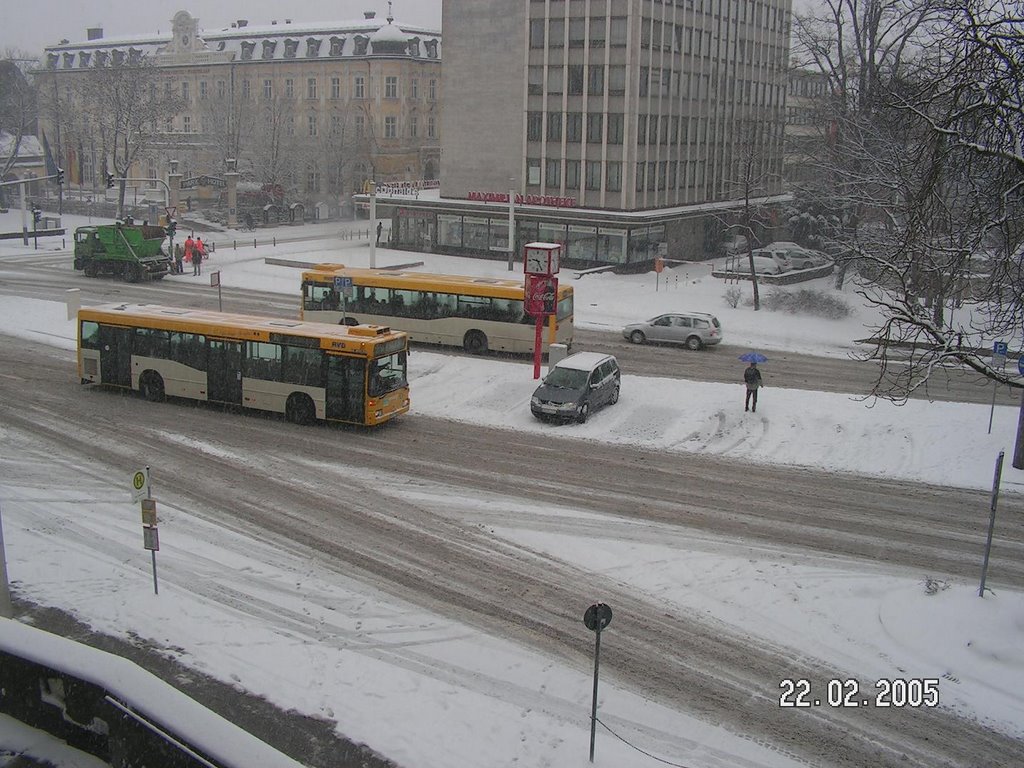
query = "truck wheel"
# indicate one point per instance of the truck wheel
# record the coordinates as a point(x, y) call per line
point(90, 270)
point(133, 273)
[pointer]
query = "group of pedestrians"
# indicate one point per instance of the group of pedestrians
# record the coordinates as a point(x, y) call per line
point(193, 253)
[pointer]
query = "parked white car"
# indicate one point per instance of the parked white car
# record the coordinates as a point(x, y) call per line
point(794, 256)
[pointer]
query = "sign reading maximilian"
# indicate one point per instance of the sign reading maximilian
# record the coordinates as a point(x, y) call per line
point(202, 181)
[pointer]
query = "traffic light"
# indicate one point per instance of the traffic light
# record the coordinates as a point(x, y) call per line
point(171, 228)
point(60, 175)
point(110, 180)
point(37, 213)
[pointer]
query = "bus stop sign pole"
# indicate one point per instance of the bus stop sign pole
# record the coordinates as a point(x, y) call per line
point(597, 617)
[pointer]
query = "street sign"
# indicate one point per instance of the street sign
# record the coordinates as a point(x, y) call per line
point(597, 617)
point(215, 279)
point(151, 541)
point(999, 350)
point(140, 484)
point(343, 285)
point(149, 512)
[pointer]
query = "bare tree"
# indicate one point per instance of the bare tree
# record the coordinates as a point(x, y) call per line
point(129, 113)
point(755, 178)
point(922, 165)
point(18, 110)
point(861, 47)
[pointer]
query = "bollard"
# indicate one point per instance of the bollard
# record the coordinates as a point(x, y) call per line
point(234, 245)
point(254, 242)
point(275, 241)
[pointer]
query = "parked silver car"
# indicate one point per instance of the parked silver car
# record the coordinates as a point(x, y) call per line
point(694, 330)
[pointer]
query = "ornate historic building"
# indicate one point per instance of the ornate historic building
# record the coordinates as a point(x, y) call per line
point(315, 109)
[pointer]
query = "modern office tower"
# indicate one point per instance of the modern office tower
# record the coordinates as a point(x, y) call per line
point(628, 128)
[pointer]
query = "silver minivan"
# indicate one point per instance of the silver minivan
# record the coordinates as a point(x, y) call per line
point(693, 330)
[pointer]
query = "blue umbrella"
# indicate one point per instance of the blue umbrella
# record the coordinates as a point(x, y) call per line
point(753, 357)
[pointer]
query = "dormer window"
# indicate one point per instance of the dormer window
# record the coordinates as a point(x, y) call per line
point(312, 48)
point(118, 57)
point(414, 46)
point(101, 58)
point(69, 60)
point(51, 60)
point(222, 45)
point(247, 49)
point(83, 59)
point(134, 55)
point(268, 48)
point(337, 45)
point(361, 45)
point(431, 46)
point(291, 47)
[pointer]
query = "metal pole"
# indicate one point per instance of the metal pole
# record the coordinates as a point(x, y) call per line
point(220, 303)
point(511, 227)
point(1018, 448)
point(6, 608)
point(593, 707)
point(991, 522)
point(24, 223)
point(373, 224)
point(992, 410)
point(149, 495)
point(538, 334)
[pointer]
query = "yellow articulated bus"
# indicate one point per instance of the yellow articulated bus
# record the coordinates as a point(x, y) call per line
point(304, 370)
point(475, 313)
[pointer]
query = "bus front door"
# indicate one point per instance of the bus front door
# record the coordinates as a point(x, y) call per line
point(346, 377)
point(224, 372)
point(116, 356)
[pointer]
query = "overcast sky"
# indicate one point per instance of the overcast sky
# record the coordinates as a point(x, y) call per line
point(31, 26)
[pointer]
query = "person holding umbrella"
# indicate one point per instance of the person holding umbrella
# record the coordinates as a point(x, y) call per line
point(752, 378)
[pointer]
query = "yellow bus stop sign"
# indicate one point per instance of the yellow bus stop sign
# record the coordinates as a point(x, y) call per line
point(140, 484)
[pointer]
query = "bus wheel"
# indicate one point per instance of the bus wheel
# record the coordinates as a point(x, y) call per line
point(475, 342)
point(152, 387)
point(300, 409)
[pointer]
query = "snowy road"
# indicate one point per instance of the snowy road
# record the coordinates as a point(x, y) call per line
point(382, 509)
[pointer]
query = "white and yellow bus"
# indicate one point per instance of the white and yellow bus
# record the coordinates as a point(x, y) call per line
point(475, 313)
point(304, 370)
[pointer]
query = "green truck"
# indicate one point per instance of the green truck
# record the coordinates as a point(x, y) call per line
point(133, 252)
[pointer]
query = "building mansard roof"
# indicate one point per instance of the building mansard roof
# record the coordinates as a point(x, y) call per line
point(240, 42)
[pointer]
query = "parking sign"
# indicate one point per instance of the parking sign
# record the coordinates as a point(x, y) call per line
point(343, 285)
point(999, 354)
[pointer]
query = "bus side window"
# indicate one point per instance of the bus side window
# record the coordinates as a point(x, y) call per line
point(189, 349)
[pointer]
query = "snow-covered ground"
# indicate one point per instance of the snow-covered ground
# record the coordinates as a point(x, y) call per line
point(375, 660)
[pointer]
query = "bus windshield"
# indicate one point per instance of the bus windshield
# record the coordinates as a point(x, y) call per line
point(387, 374)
